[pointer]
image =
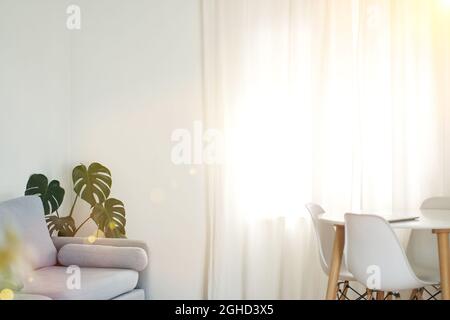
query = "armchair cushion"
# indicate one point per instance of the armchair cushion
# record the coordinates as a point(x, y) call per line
point(136, 294)
point(95, 283)
point(24, 296)
point(93, 256)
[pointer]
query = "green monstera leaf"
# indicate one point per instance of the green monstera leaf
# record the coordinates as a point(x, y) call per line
point(92, 184)
point(51, 194)
point(64, 226)
point(110, 218)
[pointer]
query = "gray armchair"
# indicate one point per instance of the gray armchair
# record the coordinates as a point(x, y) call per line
point(50, 280)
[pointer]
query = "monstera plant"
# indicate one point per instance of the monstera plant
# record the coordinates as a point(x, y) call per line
point(91, 184)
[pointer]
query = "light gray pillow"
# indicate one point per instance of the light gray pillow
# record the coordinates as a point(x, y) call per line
point(100, 256)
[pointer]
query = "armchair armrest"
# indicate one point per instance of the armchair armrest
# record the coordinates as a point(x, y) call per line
point(144, 275)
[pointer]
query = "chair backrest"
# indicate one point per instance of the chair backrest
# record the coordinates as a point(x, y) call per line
point(422, 248)
point(436, 203)
point(25, 217)
point(374, 255)
point(324, 234)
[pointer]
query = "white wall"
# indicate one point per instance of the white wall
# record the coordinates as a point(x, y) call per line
point(111, 92)
point(34, 93)
point(136, 76)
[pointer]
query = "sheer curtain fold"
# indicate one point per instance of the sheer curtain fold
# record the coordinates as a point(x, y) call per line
point(338, 102)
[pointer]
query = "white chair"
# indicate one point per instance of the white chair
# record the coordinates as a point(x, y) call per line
point(376, 258)
point(422, 246)
point(325, 237)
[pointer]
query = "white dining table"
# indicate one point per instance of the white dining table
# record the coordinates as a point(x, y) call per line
point(437, 221)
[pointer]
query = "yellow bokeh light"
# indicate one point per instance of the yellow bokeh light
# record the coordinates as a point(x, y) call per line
point(6, 294)
point(92, 239)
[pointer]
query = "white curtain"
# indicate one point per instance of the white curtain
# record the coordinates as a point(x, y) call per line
point(340, 102)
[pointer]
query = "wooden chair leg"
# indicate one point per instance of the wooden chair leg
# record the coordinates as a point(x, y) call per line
point(369, 294)
point(389, 296)
point(338, 291)
point(420, 294)
point(380, 295)
point(417, 294)
point(344, 291)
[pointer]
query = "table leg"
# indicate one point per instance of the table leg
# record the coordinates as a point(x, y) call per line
point(336, 260)
point(444, 261)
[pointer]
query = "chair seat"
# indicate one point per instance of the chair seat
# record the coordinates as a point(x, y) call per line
point(96, 283)
point(427, 275)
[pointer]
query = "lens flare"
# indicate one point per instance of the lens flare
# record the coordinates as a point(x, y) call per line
point(6, 294)
point(92, 239)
